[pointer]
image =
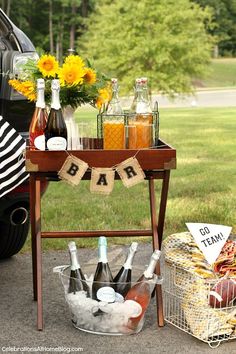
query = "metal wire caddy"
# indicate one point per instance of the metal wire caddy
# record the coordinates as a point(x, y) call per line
point(186, 306)
point(127, 117)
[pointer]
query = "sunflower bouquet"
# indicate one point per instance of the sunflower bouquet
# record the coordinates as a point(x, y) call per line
point(80, 82)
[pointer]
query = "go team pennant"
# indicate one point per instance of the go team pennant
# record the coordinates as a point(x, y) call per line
point(210, 238)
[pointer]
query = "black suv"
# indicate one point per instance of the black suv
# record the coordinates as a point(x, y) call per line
point(15, 47)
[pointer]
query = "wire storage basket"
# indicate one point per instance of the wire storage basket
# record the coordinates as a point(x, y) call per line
point(201, 306)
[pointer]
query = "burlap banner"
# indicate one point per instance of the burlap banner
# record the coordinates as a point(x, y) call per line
point(130, 172)
point(102, 179)
point(73, 170)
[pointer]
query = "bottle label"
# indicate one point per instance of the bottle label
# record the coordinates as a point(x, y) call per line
point(56, 143)
point(106, 294)
point(39, 142)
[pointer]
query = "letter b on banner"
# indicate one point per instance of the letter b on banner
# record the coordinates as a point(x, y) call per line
point(73, 170)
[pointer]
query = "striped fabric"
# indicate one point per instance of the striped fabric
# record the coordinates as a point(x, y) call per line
point(12, 162)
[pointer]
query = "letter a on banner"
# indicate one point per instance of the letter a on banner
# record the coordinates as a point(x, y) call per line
point(73, 170)
point(102, 180)
point(130, 172)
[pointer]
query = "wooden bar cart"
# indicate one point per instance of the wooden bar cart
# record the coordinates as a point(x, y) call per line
point(156, 164)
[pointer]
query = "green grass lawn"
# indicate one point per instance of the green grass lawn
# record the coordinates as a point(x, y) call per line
point(221, 73)
point(202, 189)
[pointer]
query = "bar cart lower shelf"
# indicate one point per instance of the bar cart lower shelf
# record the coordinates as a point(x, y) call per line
point(156, 164)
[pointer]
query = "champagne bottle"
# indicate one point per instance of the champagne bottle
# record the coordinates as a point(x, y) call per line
point(55, 131)
point(123, 278)
point(102, 288)
point(77, 279)
point(114, 106)
point(39, 119)
point(142, 290)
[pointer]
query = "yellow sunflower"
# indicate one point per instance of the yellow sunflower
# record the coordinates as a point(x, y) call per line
point(104, 97)
point(90, 76)
point(74, 59)
point(15, 84)
point(26, 88)
point(71, 74)
point(48, 65)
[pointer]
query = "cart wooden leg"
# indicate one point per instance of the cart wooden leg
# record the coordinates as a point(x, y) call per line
point(163, 202)
point(38, 256)
point(33, 234)
point(155, 242)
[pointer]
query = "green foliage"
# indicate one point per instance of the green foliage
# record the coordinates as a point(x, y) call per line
point(32, 17)
point(165, 41)
point(224, 15)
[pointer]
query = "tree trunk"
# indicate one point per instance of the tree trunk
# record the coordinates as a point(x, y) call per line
point(72, 27)
point(216, 52)
point(84, 8)
point(8, 7)
point(61, 36)
point(51, 27)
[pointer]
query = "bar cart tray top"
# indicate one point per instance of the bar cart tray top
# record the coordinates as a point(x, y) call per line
point(161, 157)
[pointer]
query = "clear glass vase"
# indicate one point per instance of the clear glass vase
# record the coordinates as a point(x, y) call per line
point(73, 141)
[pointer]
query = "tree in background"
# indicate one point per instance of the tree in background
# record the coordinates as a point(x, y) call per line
point(6, 6)
point(165, 40)
point(224, 16)
point(52, 25)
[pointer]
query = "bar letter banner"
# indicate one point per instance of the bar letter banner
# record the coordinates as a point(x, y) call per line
point(73, 170)
point(102, 180)
point(210, 238)
point(130, 172)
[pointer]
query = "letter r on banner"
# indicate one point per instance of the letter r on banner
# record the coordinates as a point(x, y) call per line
point(73, 170)
point(102, 180)
point(130, 172)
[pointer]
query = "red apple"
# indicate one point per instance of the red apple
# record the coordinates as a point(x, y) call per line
point(223, 293)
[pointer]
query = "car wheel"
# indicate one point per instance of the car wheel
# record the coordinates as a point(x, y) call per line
point(12, 234)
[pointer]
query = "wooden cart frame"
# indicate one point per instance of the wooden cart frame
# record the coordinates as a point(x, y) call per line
point(42, 165)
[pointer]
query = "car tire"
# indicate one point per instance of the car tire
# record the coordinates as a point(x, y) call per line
point(12, 238)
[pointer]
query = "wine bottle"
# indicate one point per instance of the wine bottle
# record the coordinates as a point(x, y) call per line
point(77, 279)
point(55, 131)
point(142, 290)
point(123, 278)
point(102, 288)
point(39, 119)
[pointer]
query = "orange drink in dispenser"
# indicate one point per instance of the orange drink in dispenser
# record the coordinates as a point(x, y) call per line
point(113, 135)
point(140, 132)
